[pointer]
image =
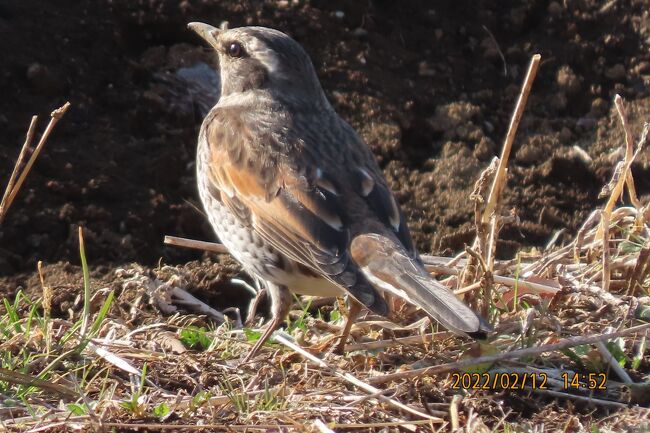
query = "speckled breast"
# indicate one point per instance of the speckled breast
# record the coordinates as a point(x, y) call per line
point(244, 244)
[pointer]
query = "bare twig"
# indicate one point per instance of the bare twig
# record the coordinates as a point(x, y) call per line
point(592, 219)
point(469, 274)
point(469, 288)
point(487, 245)
point(629, 150)
point(613, 363)
point(499, 279)
point(55, 117)
point(620, 177)
point(197, 245)
point(187, 300)
point(496, 44)
point(499, 179)
point(604, 224)
point(19, 163)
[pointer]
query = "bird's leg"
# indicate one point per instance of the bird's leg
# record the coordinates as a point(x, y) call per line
point(255, 303)
point(353, 311)
point(280, 305)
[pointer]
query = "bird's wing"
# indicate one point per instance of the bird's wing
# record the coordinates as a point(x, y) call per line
point(299, 211)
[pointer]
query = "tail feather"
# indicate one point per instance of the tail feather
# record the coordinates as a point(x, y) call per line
point(389, 268)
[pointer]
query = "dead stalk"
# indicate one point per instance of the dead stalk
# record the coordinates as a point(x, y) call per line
point(620, 177)
point(613, 363)
point(499, 179)
point(197, 245)
point(629, 150)
point(604, 220)
point(19, 163)
point(13, 188)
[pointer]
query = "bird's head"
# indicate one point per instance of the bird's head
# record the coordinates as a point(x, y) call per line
point(259, 58)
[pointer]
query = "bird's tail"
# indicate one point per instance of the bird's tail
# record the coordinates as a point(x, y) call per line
point(388, 267)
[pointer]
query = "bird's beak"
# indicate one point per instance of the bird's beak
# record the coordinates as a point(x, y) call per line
point(206, 31)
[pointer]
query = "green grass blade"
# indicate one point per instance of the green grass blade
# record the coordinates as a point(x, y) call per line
point(103, 312)
point(13, 315)
point(86, 276)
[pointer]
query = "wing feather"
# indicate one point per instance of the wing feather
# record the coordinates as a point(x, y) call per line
point(291, 199)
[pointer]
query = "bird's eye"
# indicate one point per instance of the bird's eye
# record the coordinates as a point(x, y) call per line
point(235, 49)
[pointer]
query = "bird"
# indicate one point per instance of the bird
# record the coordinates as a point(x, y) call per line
point(296, 195)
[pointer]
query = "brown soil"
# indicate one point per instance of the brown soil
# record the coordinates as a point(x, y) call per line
point(425, 87)
point(430, 86)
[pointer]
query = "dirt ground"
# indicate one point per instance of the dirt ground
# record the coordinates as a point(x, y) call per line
point(429, 88)
point(429, 85)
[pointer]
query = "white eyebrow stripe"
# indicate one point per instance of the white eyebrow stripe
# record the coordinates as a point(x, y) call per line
point(269, 60)
point(264, 54)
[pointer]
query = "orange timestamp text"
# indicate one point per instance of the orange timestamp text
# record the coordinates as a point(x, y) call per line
point(589, 381)
point(514, 381)
point(499, 381)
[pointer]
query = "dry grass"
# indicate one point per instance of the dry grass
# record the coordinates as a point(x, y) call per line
point(127, 360)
